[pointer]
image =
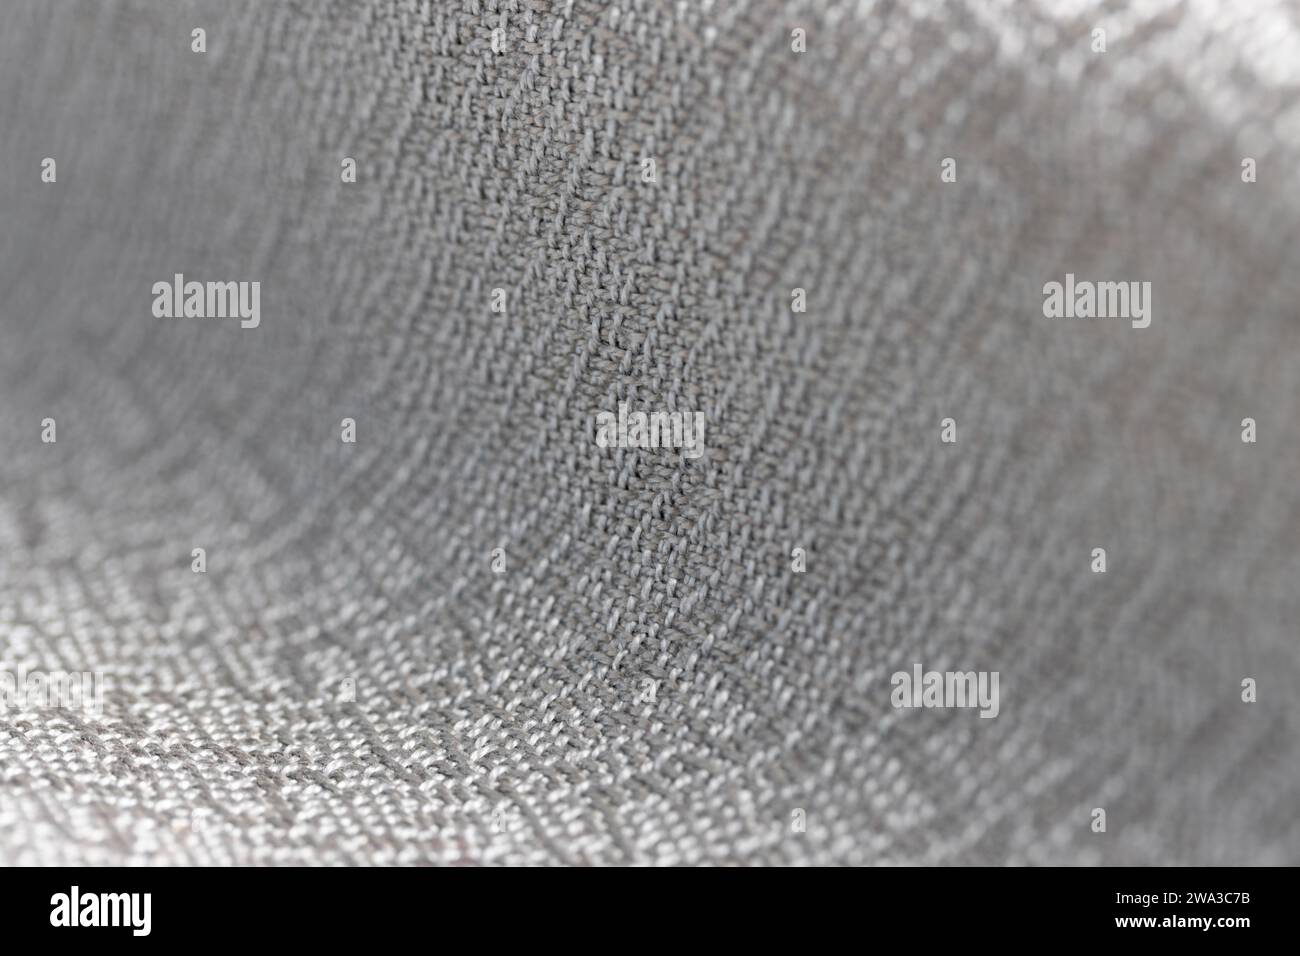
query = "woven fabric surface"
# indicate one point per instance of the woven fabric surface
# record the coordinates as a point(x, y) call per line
point(474, 635)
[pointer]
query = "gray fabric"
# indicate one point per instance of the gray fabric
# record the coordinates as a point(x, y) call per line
point(503, 717)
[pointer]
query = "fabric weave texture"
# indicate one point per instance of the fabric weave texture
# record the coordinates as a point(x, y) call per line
point(648, 680)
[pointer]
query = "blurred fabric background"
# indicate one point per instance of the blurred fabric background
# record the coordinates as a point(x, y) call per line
point(649, 681)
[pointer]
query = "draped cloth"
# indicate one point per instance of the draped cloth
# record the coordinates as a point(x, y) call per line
point(474, 635)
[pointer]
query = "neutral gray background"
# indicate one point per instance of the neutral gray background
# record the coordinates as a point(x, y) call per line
point(497, 717)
